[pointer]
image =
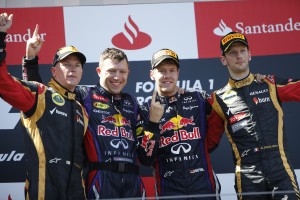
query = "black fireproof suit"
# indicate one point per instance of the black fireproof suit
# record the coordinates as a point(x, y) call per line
point(114, 143)
point(183, 166)
point(253, 120)
point(55, 124)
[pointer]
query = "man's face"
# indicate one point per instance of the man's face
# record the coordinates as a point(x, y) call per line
point(113, 75)
point(237, 59)
point(165, 76)
point(68, 72)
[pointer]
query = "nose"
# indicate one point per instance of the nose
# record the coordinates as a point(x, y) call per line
point(116, 75)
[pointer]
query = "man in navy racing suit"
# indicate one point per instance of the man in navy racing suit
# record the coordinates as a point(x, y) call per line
point(113, 145)
point(182, 166)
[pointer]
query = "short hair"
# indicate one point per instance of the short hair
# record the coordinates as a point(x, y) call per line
point(113, 54)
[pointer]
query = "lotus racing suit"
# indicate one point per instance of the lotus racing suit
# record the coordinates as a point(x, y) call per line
point(253, 120)
point(55, 125)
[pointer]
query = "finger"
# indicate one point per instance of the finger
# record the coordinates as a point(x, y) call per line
point(10, 17)
point(153, 100)
point(36, 30)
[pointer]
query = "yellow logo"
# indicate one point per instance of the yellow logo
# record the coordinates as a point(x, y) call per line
point(58, 99)
point(232, 36)
point(100, 105)
point(229, 96)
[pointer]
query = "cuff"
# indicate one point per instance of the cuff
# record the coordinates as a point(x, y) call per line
point(30, 63)
point(2, 40)
point(153, 127)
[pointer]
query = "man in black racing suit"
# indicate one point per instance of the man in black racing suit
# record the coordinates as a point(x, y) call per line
point(253, 120)
point(55, 124)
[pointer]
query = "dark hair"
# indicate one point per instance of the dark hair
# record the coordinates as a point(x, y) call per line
point(113, 54)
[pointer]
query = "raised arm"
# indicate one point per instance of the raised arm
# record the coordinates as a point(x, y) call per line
point(30, 67)
point(12, 90)
point(148, 131)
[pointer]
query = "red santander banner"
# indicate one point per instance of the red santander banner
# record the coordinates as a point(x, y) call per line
point(271, 26)
point(51, 28)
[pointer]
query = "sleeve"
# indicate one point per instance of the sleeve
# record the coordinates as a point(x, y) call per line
point(215, 130)
point(12, 90)
point(148, 137)
point(2, 46)
point(30, 70)
point(215, 126)
point(287, 89)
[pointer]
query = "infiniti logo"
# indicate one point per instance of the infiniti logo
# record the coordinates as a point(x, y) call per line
point(185, 147)
point(116, 143)
point(187, 98)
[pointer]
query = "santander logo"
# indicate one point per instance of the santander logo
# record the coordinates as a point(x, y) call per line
point(222, 29)
point(132, 38)
point(289, 25)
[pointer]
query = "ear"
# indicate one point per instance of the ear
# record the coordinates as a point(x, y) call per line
point(223, 60)
point(249, 56)
point(53, 69)
point(152, 75)
point(98, 70)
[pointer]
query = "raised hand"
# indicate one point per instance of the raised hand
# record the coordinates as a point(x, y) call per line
point(5, 21)
point(34, 44)
point(259, 77)
point(156, 109)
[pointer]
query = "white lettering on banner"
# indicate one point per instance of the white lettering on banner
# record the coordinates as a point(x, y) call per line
point(8, 120)
point(148, 87)
point(11, 156)
point(268, 28)
point(19, 37)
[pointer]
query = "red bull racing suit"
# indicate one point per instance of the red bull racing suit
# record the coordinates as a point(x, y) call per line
point(114, 145)
point(183, 164)
point(55, 125)
point(253, 120)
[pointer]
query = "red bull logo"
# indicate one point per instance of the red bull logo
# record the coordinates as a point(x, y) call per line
point(117, 120)
point(169, 125)
point(116, 132)
point(181, 135)
point(176, 123)
point(186, 121)
point(125, 122)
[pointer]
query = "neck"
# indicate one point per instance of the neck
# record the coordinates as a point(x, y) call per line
point(239, 76)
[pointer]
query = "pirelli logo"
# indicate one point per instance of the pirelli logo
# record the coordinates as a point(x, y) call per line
point(165, 53)
point(232, 36)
